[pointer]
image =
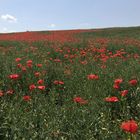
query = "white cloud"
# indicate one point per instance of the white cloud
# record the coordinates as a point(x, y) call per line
point(51, 26)
point(8, 18)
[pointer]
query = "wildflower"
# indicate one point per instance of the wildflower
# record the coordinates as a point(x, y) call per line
point(48, 53)
point(83, 62)
point(57, 60)
point(1, 93)
point(39, 65)
point(41, 87)
point(118, 81)
point(19, 65)
point(124, 93)
point(29, 62)
point(37, 74)
point(56, 82)
point(66, 56)
point(80, 100)
point(133, 82)
point(32, 87)
point(18, 59)
point(61, 83)
point(116, 86)
point(26, 98)
point(40, 81)
point(129, 126)
point(93, 77)
point(29, 65)
point(14, 76)
point(23, 69)
point(111, 99)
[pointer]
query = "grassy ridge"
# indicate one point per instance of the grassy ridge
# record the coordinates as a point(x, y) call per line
point(127, 32)
point(78, 77)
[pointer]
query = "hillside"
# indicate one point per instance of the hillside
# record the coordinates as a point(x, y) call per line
point(70, 85)
point(71, 35)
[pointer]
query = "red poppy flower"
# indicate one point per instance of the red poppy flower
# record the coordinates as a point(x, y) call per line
point(29, 62)
point(39, 65)
point(18, 59)
point(66, 56)
point(111, 99)
point(19, 65)
point(26, 98)
point(37, 74)
point(57, 60)
point(14, 76)
point(56, 82)
point(23, 69)
point(80, 100)
point(41, 87)
point(124, 92)
point(83, 62)
point(129, 126)
point(40, 81)
point(118, 81)
point(29, 65)
point(1, 94)
point(116, 86)
point(133, 82)
point(61, 83)
point(93, 77)
point(32, 87)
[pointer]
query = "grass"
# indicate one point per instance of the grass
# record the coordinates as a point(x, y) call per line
point(52, 113)
point(127, 32)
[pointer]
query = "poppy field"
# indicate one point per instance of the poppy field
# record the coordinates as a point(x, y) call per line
point(70, 85)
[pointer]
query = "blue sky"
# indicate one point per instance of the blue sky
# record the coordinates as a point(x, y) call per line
point(23, 15)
